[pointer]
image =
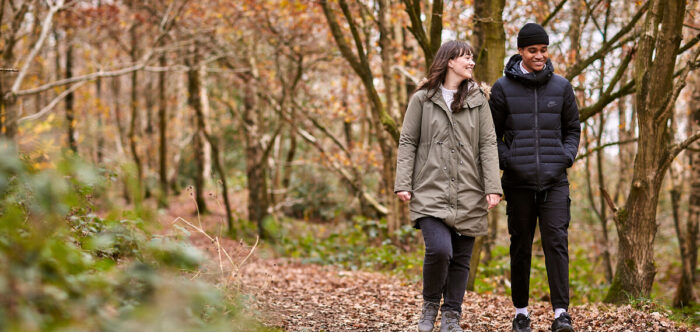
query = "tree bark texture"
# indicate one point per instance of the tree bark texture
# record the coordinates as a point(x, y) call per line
point(70, 111)
point(360, 64)
point(489, 40)
point(162, 135)
point(636, 221)
point(490, 46)
point(8, 107)
point(100, 122)
point(256, 169)
point(430, 40)
point(688, 240)
point(206, 110)
point(204, 129)
point(194, 101)
point(133, 124)
point(381, 114)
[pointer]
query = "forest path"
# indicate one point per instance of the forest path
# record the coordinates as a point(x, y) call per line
point(294, 296)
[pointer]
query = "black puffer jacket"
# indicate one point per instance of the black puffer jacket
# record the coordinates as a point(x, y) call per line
point(537, 126)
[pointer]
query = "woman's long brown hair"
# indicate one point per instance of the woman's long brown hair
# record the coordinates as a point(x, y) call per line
point(438, 71)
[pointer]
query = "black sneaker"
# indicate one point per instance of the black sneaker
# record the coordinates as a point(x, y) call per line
point(521, 323)
point(562, 324)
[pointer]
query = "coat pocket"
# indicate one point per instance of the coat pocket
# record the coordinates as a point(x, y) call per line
point(566, 160)
point(510, 156)
point(423, 164)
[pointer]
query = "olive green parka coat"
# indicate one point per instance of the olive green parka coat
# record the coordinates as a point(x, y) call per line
point(449, 161)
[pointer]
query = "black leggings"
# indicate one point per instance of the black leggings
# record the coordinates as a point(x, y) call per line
point(446, 264)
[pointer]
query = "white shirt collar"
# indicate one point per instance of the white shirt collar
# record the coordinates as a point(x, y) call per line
point(522, 68)
point(446, 89)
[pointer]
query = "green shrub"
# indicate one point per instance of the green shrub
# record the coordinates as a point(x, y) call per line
point(315, 196)
point(362, 244)
point(64, 268)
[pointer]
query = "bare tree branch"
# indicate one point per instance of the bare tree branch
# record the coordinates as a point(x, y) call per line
point(379, 208)
point(429, 43)
point(689, 44)
point(678, 87)
point(603, 50)
point(76, 79)
point(601, 147)
point(339, 38)
point(677, 148)
point(588, 111)
point(45, 28)
point(553, 13)
point(405, 73)
point(612, 204)
point(52, 104)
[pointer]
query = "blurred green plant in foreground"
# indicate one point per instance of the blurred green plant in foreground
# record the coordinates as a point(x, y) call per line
point(64, 268)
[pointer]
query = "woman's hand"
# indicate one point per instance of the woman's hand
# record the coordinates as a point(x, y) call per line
point(493, 200)
point(404, 195)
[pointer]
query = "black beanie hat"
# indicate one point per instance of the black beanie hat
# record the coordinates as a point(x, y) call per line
point(532, 34)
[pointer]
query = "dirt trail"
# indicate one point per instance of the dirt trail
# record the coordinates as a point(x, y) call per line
point(306, 297)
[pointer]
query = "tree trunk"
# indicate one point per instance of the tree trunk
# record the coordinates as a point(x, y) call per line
point(361, 65)
point(162, 136)
point(490, 241)
point(182, 136)
point(194, 101)
point(100, 123)
point(70, 112)
point(133, 145)
point(10, 110)
point(429, 40)
point(121, 136)
point(688, 242)
point(489, 40)
point(388, 178)
point(287, 177)
point(490, 46)
point(206, 110)
point(148, 149)
point(607, 262)
point(256, 170)
point(204, 129)
point(388, 149)
point(8, 100)
point(402, 92)
point(694, 203)
point(636, 221)
point(475, 260)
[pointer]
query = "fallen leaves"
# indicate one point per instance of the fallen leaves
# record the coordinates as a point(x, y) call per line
point(305, 297)
point(300, 297)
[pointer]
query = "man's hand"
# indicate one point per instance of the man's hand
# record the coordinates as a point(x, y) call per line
point(404, 195)
point(493, 200)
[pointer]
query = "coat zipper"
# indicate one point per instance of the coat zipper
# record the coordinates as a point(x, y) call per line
point(537, 142)
point(453, 173)
point(450, 175)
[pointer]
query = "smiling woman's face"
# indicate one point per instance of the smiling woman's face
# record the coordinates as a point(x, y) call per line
point(534, 57)
point(463, 66)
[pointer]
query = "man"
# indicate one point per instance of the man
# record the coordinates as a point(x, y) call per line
point(538, 130)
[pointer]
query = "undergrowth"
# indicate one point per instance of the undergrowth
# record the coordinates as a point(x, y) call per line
point(364, 244)
point(65, 268)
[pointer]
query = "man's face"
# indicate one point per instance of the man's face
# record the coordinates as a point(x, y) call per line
point(534, 57)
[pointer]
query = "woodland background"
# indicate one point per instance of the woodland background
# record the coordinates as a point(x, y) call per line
point(279, 120)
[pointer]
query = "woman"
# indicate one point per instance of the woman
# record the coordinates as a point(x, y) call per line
point(448, 168)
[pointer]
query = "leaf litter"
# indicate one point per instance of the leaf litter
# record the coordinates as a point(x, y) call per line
point(295, 296)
